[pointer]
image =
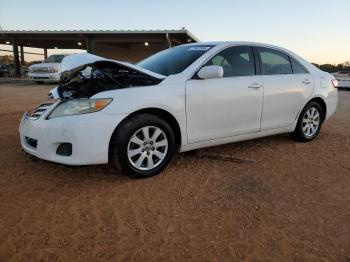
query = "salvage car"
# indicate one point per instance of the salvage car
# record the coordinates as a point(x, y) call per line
point(47, 71)
point(136, 117)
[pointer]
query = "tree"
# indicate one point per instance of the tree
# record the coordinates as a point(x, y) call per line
point(332, 68)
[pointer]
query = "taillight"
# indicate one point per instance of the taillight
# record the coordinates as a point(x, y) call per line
point(335, 83)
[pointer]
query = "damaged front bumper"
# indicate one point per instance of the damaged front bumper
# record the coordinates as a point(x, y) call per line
point(87, 137)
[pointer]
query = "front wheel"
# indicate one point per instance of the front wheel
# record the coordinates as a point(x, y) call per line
point(143, 145)
point(309, 123)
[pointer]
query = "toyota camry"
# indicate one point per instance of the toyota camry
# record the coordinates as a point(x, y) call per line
point(136, 117)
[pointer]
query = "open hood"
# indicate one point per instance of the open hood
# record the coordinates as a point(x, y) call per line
point(84, 75)
point(73, 61)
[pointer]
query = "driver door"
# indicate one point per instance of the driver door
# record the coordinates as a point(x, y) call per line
point(227, 106)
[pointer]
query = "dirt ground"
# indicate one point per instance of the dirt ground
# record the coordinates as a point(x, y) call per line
point(291, 204)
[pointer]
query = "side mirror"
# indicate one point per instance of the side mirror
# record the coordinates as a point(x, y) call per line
point(210, 72)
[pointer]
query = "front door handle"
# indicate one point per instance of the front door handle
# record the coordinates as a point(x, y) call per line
point(255, 85)
point(307, 81)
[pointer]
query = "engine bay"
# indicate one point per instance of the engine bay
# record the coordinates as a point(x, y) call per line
point(89, 79)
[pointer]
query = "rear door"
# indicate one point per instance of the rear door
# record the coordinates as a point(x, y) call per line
point(227, 106)
point(287, 86)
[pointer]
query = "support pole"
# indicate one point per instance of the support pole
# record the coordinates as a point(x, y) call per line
point(22, 55)
point(90, 45)
point(169, 40)
point(45, 53)
point(16, 57)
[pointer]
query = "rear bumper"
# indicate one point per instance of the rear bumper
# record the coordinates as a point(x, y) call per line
point(46, 77)
point(89, 135)
point(344, 83)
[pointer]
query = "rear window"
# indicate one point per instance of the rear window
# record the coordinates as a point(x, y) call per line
point(274, 62)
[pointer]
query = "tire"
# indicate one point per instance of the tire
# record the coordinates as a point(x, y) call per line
point(309, 123)
point(137, 155)
point(39, 82)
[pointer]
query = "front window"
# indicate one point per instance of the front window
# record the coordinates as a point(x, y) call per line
point(54, 59)
point(174, 60)
point(236, 61)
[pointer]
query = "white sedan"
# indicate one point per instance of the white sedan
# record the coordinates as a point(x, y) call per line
point(188, 97)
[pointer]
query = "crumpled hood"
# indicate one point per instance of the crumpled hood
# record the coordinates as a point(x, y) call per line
point(73, 61)
point(84, 75)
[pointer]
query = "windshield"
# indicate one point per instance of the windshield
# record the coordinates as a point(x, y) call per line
point(54, 59)
point(174, 60)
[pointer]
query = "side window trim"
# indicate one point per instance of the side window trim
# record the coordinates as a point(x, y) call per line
point(194, 76)
point(291, 65)
point(257, 61)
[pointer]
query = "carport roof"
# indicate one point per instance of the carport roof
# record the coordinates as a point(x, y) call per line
point(66, 38)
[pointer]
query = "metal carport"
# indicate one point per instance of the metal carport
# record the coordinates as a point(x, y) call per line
point(127, 45)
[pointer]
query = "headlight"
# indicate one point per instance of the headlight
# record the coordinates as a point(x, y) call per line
point(52, 69)
point(79, 106)
point(30, 69)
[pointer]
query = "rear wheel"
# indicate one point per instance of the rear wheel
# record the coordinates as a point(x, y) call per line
point(142, 146)
point(309, 123)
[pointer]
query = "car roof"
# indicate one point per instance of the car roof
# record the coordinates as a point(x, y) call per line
point(228, 43)
point(223, 44)
point(62, 54)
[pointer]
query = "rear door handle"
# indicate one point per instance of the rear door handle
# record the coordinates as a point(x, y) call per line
point(255, 85)
point(307, 81)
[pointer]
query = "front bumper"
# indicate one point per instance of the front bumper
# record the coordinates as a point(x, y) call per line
point(89, 135)
point(46, 77)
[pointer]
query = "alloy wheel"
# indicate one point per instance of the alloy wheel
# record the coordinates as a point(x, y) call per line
point(311, 121)
point(147, 148)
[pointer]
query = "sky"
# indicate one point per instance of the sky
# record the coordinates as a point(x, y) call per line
point(318, 30)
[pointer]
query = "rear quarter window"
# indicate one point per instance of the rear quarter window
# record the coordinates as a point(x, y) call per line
point(297, 67)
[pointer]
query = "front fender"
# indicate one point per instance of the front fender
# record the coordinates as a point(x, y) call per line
point(170, 98)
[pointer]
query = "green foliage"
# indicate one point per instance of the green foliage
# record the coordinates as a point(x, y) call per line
point(332, 68)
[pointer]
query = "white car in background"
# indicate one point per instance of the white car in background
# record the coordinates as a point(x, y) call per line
point(48, 71)
point(187, 97)
point(343, 80)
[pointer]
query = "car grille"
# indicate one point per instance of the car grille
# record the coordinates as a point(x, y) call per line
point(40, 70)
point(40, 110)
point(41, 77)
